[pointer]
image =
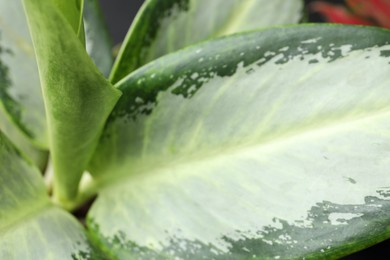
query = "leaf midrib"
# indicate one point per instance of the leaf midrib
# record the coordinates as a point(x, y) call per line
point(270, 142)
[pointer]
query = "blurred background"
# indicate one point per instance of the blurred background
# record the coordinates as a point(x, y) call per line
point(119, 15)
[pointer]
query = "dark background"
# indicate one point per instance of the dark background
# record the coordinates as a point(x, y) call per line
point(119, 15)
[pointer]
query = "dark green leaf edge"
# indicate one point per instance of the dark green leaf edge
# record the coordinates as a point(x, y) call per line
point(140, 83)
point(148, 28)
point(262, 250)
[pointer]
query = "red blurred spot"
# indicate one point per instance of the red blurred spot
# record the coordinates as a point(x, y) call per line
point(364, 12)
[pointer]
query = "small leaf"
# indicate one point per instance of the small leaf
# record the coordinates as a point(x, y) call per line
point(78, 98)
point(30, 226)
point(20, 92)
point(162, 27)
point(98, 41)
point(271, 144)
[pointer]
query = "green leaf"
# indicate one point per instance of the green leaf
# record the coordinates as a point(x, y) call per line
point(78, 98)
point(30, 226)
point(98, 41)
point(38, 156)
point(22, 96)
point(271, 144)
point(72, 11)
point(162, 27)
point(20, 92)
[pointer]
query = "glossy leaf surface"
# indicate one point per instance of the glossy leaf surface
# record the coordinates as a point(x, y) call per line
point(20, 92)
point(162, 27)
point(270, 145)
point(77, 97)
point(98, 41)
point(30, 226)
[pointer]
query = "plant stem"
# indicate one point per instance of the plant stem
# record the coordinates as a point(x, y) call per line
point(87, 190)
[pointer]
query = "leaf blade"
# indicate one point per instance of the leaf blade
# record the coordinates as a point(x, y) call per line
point(30, 226)
point(21, 96)
point(38, 156)
point(163, 27)
point(219, 160)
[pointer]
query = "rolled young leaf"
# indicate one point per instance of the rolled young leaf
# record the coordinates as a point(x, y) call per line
point(30, 226)
point(267, 145)
point(72, 10)
point(20, 92)
point(165, 26)
point(21, 96)
point(77, 97)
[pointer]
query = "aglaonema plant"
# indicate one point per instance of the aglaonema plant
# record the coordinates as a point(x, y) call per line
point(210, 138)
